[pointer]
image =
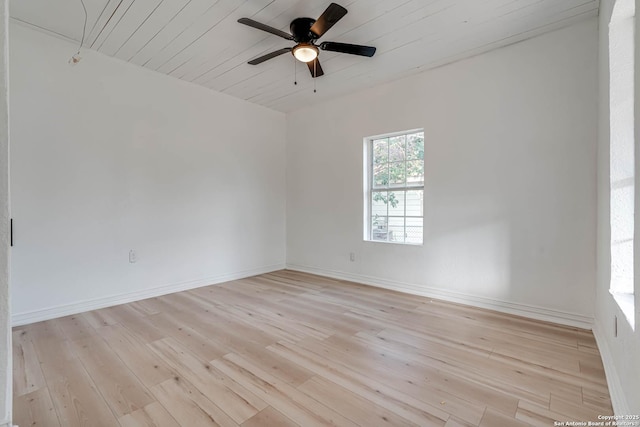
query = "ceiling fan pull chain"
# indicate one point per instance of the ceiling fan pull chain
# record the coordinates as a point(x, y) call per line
point(315, 74)
point(295, 72)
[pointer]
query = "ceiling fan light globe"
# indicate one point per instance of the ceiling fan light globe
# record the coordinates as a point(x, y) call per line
point(305, 52)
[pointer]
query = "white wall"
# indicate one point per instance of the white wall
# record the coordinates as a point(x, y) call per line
point(5, 308)
point(621, 354)
point(109, 157)
point(510, 197)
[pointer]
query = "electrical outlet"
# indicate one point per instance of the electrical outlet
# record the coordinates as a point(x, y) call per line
point(352, 256)
point(133, 256)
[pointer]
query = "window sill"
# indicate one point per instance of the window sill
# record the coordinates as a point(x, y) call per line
point(394, 243)
point(626, 304)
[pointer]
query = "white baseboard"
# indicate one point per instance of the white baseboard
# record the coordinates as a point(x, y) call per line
point(618, 398)
point(530, 311)
point(94, 304)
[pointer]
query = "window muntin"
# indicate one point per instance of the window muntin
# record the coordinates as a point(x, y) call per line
point(395, 188)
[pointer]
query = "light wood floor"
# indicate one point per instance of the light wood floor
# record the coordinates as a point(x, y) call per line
point(292, 349)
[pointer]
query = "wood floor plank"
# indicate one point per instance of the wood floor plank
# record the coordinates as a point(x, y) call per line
point(285, 328)
point(294, 349)
point(269, 417)
point(75, 396)
point(40, 330)
point(99, 318)
point(139, 358)
point(575, 411)
point(459, 384)
point(75, 327)
point(574, 380)
point(396, 372)
point(279, 367)
point(299, 407)
point(119, 386)
point(405, 406)
point(456, 422)
point(331, 318)
point(536, 415)
point(137, 322)
point(493, 418)
point(154, 305)
point(189, 406)
point(54, 351)
point(49, 342)
point(596, 398)
point(27, 374)
point(152, 415)
point(196, 342)
point(457, 357)
point(359, 410)
point(35, 409)
point(228, 333)
point(237, 402)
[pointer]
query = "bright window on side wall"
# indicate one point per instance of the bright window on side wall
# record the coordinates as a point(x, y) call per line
point(394, 187)
point(622, 162)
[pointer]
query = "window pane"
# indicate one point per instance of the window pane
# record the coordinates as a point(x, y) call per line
point(381, 175)
point(396, 203)
point(414, 231)
point(397, 173)
point(396, 230)
point(395, 192)
point(379, 203)
point(397, 148)
point(381, 151)
point(415, 203)
point(379, 229)
point(415, 172)
point(415, 146)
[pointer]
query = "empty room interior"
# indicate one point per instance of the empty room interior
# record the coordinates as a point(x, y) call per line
point(305, 213)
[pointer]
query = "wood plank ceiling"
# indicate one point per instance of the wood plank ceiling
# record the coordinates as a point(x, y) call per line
point(200, 41)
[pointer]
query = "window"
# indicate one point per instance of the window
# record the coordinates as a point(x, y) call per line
point(394, 186)
point(622, 162)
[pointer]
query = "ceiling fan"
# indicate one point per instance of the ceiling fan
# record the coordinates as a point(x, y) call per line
point(305, 31)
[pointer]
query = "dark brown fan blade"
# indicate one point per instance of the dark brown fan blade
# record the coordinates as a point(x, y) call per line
point(268, 56)
point(329, 17)
point(263, 27)
point(315, 68)
point(353, 49)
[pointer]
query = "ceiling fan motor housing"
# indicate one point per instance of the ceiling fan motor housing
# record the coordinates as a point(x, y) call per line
point(300, 29)
point(305, 32)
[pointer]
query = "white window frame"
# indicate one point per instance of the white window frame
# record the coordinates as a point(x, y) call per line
point(368, 187)
point(623, 173)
